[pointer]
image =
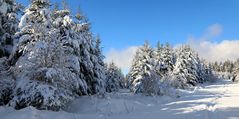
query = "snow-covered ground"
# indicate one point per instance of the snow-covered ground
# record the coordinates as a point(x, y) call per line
point(213, 101)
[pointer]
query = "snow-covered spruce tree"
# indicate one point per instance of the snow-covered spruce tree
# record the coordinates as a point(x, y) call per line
point(185, 70)
point(45, 63)
point(135, 70)
point(71, 43)
point(92, 67)
point(164, 59)
point(142, 75)
point(201, 69)
point(158, 58)
point(99, 68)
point(8, 25)
point(114, 78)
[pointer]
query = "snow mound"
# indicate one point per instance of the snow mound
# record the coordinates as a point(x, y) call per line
point(116, 103)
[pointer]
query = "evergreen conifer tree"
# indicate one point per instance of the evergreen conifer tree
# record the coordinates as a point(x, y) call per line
point(115, 78)
point(142, 75)
point(185, 70)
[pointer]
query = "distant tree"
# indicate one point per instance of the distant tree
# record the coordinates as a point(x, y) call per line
point(235, 71)
point(114, 78)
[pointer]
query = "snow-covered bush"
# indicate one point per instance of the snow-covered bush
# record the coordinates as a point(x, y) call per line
point(40, 95)
point(147, 84)
point(150, 84)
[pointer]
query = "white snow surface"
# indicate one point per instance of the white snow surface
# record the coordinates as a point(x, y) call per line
point(210, 101)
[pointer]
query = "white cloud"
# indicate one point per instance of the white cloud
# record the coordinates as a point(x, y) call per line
point(227, 49)
point(122, 58)
point(215, 51)
point(214, 30)
point(210, 33)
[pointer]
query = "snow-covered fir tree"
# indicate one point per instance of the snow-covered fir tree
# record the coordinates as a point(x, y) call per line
point(142, 76)
point(158, 58)
point(8, 25)
point(99, 67)
point(47, 62)
point(114, 78)
point(34, 60)
point(185, 70)
point(201, 69)
point(70, 41)
point(9, 10)
point(164, 59)
point(91, 64)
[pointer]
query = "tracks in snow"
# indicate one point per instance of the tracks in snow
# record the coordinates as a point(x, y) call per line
point(212, 105)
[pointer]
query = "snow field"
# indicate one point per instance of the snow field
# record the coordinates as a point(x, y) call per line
point(211, 101)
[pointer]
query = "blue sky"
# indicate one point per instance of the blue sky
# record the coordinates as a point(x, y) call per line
point(122, 24)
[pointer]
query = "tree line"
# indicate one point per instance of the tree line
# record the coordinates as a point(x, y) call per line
point(153, 68)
